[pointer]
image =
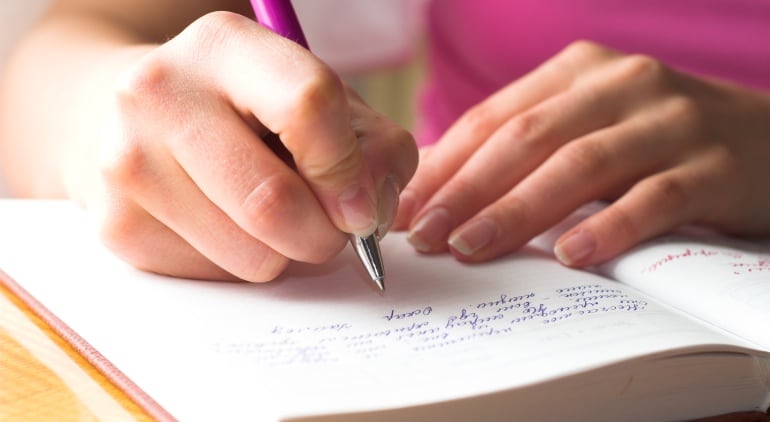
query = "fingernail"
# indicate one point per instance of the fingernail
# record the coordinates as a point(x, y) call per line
point(575, 247)
point(357, 210)
point(388, 205)
point(474, 235)
point(431, 231)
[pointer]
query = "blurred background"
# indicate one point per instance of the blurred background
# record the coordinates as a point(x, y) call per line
point(15, 17)
point(374, 44)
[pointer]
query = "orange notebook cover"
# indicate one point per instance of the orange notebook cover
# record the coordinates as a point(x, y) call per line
point(48, 372)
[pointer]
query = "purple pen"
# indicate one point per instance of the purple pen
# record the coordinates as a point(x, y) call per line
point(279, 16)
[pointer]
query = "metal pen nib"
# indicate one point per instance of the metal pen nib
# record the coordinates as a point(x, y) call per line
point(368, 251)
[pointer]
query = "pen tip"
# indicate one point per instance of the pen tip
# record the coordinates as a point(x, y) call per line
point(380, 283)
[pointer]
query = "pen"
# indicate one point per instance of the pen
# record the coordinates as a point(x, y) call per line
point(279, 16)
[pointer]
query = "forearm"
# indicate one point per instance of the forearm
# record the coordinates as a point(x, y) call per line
point(56, 97)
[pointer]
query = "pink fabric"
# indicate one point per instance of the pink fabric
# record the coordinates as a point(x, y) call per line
point(476, 47)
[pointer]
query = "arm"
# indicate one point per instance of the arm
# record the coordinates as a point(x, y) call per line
point(56, 84)
point(153, 115)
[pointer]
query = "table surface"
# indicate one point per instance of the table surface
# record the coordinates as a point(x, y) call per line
point(42, 377)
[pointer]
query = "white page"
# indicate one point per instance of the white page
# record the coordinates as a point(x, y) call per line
point(320, 340)
point(719, 279)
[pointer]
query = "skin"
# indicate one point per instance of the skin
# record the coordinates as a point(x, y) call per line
point(157, 116)
point(667, 148)
point(510, 168)
point(150, 114)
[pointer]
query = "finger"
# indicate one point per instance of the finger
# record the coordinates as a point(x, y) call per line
point(478, 124)
point(581, 171)
point(304, 102)
point(220, 152)
point(161, 187)
point(518, 147)
point(255, 188)
point(147, 244)
point(392, 156)
point(652, 207)
point(407, 203)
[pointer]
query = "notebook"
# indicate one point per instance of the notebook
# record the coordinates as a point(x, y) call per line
point(675, 329)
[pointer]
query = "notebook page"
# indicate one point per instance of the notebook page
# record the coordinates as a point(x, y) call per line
point(719, 279)
point(323, 339)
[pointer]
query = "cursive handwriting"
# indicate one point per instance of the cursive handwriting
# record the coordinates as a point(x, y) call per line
point(426, 327)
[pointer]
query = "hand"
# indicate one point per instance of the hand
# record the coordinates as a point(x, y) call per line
point(667, 147)
point(191, 186)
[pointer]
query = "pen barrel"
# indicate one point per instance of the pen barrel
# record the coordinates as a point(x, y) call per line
point(279, 16)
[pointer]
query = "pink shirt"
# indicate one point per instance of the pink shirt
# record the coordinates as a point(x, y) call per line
point(478, 46)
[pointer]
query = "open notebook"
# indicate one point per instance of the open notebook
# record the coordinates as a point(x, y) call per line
point(684, 332)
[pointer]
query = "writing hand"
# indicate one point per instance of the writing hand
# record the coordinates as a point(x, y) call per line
point(669, 148)
point(191, 187)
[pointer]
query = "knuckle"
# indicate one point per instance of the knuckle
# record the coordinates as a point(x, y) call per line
point(684, 110)
point(479, 118)
point(578, 56)
point(147, 81)
point(669, 190)
point(402, 147)
point(126, 166)
point(584, 50)
point(642, 67)
point(155, 76)
point(122, 231)
point(581, 47)
point(214, 21)
point(214, 29)
point(524, 127)
point(344, 166)
point(403, 141)
point(585, 157)
point(319, 100)
point(320, 94)
point(267, 202)
point(728, 163)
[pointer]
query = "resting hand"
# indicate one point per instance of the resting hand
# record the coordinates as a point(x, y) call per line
point(191, 186)
point(667, 147)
